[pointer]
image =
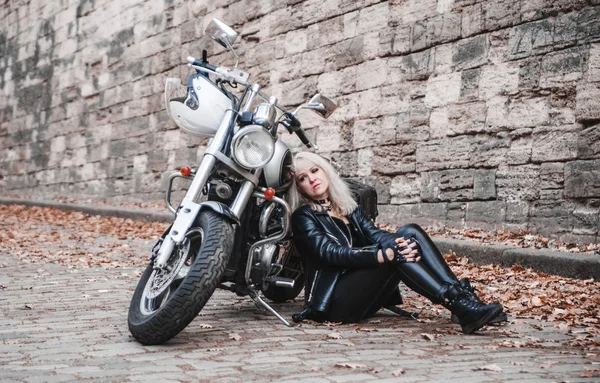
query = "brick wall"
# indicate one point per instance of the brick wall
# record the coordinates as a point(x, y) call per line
point(466, 112)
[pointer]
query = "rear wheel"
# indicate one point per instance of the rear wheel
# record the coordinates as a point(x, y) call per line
point(166, 301)
point(292, 268)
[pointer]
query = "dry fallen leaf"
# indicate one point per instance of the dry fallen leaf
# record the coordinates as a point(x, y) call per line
point(75, 240)
point(427, 336)
point(398, 372)
point(489, 367)
point(590, 373)
point(538, 301)
point(334, 335)
point(349, 365)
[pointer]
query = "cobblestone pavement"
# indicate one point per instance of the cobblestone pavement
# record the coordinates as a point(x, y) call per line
point(61, 324)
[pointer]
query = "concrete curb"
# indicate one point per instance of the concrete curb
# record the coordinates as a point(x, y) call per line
point(108, 211)
point(571, 265)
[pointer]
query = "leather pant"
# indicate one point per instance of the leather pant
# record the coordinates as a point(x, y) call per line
point(361, 293)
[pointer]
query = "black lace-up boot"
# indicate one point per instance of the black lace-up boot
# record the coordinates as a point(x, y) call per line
point(472, 314)
point(465, 284)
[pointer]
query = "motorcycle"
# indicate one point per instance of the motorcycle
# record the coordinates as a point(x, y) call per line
point(231, 230)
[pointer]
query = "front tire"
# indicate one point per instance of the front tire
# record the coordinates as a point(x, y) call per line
point(154, 318)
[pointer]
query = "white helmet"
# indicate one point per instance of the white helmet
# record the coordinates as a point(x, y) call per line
point(202, 108)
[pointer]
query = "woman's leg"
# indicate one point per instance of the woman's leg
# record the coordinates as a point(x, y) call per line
point(430, 254)
point(469, 310)
point(359, 292)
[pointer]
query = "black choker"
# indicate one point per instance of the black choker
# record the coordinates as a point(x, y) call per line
point(322, 203)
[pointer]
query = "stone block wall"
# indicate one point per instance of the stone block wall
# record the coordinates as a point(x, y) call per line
point(465, 112)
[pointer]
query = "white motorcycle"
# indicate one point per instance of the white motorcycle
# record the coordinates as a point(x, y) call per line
point(231, 229)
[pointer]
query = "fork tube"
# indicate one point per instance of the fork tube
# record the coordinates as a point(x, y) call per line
point(253, 92)
point(208, 161)
point(243, 196)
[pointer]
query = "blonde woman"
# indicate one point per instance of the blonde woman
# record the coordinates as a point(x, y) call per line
point(353, 269)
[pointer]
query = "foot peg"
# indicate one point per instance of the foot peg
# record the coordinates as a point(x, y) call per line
point(288, 283)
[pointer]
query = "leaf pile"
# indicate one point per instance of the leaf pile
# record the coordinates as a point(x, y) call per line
point(570, 304)
point(75, 239)
point(78, 240)
point(518, 238)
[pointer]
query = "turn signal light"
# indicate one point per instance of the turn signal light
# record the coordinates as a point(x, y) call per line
point(269, 193)
point(185, 171)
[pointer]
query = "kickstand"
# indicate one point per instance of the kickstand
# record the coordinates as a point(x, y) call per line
point(401, 312)
point(261, 303)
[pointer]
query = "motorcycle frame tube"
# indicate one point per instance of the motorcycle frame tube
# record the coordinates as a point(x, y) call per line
point(283, 234)
point(170, 187)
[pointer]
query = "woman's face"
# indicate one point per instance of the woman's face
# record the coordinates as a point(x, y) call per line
point(312, 181)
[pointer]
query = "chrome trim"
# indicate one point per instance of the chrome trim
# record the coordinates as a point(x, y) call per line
point(253, 92)
point(234, 166)
point(209, 161)
point(243, 196)
point(170, 187)
point(264, 219)
point(185, 218)
point(273, 239)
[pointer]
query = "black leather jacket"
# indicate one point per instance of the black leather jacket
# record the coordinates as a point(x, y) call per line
point(327, 253)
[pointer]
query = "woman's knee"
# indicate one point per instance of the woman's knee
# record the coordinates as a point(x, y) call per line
point(411, 228)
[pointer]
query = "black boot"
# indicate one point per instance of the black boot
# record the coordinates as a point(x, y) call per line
point(465, 284)
point(472, 314)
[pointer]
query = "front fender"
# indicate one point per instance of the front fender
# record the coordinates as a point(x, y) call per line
point(221, 209)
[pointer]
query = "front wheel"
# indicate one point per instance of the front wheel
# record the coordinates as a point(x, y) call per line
point(166, 301)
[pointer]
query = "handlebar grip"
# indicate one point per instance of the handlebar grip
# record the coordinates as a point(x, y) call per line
point(303, 138)
point(196, 62)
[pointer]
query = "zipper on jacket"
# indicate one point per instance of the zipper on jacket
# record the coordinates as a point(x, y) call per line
point(349, 240)
point(312, 288)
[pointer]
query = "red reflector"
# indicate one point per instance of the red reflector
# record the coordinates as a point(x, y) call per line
point(185, 171)
point(269, 193)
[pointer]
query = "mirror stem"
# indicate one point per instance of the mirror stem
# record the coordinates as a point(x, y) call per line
point(237, 58)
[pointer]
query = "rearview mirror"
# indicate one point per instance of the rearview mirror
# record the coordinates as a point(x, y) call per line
point(221, 33)
point(321, 105)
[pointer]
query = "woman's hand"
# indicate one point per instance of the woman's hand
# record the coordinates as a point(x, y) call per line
point(404, 250)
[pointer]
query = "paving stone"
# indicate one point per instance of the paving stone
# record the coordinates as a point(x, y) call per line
point(76, 338)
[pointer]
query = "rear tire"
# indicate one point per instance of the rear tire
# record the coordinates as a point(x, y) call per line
point(156, 319)
point(292, 268)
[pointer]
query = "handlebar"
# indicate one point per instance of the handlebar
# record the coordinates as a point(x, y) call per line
point(302, 136)
point(196, 62)
point(291, 122)
point(294, 125)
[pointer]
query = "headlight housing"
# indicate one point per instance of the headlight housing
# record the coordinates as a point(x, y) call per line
point(252, 147)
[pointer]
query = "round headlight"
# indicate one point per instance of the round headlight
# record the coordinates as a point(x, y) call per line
point(252, 147)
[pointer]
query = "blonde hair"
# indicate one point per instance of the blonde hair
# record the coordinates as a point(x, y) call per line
point(339, 194)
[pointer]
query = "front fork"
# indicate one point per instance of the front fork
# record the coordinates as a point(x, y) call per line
point(189, 207)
